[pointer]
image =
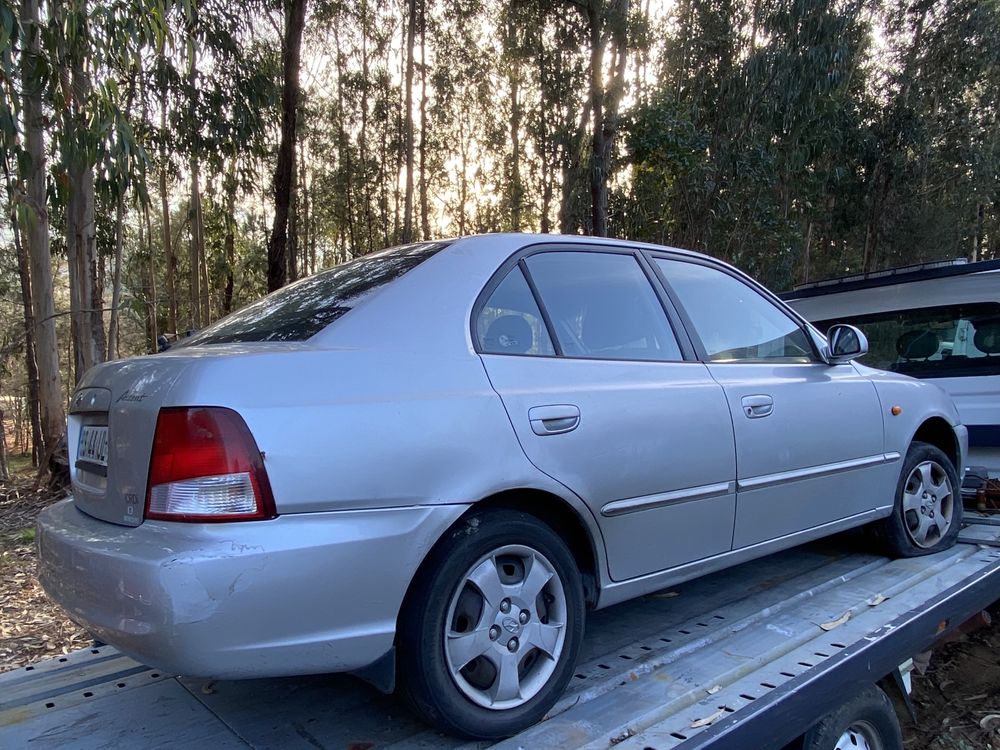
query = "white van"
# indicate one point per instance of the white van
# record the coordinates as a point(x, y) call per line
point(937, 321)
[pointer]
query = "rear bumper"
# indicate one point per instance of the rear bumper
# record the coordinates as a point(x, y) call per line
point(300, 594)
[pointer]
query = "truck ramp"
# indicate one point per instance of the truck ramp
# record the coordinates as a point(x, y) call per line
point(746, 658)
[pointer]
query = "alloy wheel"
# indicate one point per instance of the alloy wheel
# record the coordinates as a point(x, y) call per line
point(928, 504)
point(506, 627)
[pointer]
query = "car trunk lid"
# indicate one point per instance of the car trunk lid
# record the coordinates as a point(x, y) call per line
point(112, 419)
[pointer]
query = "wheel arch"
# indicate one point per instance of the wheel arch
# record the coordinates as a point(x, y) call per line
point(550, 509)
point(938, 432)
point(562, 518)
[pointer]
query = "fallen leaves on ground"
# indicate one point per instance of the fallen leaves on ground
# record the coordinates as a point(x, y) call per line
point(958, 698)
point(31, 626)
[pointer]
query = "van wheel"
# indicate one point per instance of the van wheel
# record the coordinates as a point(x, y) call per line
point(492, 629)
point(927, 514)
point(865, 722)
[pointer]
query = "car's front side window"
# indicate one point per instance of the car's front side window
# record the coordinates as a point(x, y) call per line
point(510, 322)
point(734, 322)
point(602, 306)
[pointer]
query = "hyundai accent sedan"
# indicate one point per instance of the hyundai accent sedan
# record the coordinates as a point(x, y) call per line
point(425, 465)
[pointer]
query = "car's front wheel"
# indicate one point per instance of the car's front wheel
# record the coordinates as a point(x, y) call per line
point(491, 632)
point(927, 514)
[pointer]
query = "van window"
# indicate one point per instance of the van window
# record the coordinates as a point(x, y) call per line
point(935, 342)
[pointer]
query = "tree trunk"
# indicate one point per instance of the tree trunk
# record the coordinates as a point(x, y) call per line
point(168, 248)
point(305, 234)
point(36, 241)
point(383, 180)
point(24, 276)
point(4, 471)
point(411, 28)
point(977, 239)
point(86, 298)
point(463, 187)
point(344, 151)
point(806, 255)
point(203, 285)
point(604, 105)
point(114, 324)
point(293, 222)
point(116, 284)
point(230, 240)
point(544, 149)
point(284, 171)
point(194, 253)
point(514, 127)
point(362, 140)
point(151, 301)
point(425, 222)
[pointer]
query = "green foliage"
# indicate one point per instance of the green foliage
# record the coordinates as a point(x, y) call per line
point(816, 138)
point(795, 138)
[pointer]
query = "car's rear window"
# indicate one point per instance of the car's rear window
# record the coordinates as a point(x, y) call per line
point(302, 309)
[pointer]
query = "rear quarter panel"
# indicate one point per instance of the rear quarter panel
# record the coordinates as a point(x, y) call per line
point(366, 429)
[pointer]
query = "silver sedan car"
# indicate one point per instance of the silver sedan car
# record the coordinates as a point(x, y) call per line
point(424, 465)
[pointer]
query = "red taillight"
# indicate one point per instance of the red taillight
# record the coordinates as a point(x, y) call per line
point(206, 466)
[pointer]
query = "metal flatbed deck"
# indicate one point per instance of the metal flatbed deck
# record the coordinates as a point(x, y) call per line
point(744, 658)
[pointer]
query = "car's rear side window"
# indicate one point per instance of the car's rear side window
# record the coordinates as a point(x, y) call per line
point(510, 322)
point(302, 309)
point(602, 306)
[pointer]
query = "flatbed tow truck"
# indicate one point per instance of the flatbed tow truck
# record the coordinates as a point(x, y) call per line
point(746, 659)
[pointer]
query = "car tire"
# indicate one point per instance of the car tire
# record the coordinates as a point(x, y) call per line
point(927, 513)
point(491, 630)
point(865, 722)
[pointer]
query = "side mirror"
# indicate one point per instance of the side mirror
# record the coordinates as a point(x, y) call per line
point(846, 343)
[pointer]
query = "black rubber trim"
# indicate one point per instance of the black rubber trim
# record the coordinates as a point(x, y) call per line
point(518, 257)
point(850, 283)
point(785, 713)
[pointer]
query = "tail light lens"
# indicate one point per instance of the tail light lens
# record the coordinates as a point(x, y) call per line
point(206, 466)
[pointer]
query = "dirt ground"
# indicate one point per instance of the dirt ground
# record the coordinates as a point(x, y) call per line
point(957, 699)
point(31, 627)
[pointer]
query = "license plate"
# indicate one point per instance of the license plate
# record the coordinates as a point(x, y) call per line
point(93, 446)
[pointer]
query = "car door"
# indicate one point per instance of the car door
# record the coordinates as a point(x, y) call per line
point(603, 400)
point(809, 436)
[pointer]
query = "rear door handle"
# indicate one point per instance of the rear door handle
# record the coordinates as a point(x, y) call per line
point(553, 420)
point(755, 407)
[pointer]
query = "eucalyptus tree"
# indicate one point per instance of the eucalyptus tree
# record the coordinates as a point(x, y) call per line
point(93, 47)
point(15, 163)
point(933, 170)
point(284, 171)
point(33, 216)
point(218, 96)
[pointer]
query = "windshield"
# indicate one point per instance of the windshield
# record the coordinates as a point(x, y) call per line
point(302, 309)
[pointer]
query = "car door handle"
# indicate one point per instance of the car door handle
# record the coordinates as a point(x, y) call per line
point(755, 407)
point(553, 420)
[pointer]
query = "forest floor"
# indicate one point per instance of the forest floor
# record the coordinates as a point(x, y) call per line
point(957, 699)
point(31, 627)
